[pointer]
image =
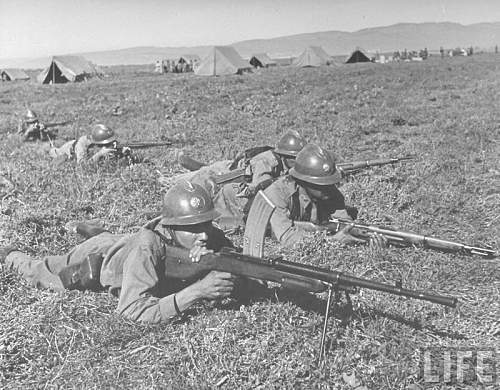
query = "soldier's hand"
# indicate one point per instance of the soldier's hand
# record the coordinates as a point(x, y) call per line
point(378, 241)
point(345, 237)
point(197, 251)
point(216, 285)
point(103, 153)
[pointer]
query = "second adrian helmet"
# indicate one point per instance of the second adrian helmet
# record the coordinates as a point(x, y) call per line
point(315, 165)
point(187, 203)
point(290, 144)
point(102, 135)
point(30, 116)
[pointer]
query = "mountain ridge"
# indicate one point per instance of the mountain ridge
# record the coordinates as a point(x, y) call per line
point(399, 36)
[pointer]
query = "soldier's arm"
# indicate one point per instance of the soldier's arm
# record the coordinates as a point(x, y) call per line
point(141, 284)
point(282, 226)
point(102, 153)
point(81, 148)
point(262, 170)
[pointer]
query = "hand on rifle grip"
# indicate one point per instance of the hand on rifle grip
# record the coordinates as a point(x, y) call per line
point(345, 237)
point(378, 241)
point(215, 285)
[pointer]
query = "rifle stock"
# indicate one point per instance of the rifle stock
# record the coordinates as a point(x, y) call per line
point(234, 176)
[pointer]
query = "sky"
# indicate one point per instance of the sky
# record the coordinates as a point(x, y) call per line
point(36, 28)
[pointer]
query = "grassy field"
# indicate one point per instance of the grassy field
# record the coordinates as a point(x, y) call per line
point(444, 111)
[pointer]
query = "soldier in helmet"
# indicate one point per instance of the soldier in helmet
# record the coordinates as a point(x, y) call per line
point(262, 164)
point(131, 266)
point(101, 137)
point(30, 127)
point(309, 193)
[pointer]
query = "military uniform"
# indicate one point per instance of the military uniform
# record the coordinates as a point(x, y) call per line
point(294, 204)
point(133, 270)
point(75, 149)
point(32, 131)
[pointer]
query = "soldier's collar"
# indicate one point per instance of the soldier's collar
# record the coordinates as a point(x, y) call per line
point(303, 196)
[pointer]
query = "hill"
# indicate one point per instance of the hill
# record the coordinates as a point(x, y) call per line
point(383, 39)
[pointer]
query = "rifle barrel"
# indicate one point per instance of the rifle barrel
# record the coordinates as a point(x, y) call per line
point(339, 278)
point(406, 238)
point(356, 165)
point(144, 145)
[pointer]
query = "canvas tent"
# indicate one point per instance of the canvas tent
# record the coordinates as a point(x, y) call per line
point(357, 56)
point(222, 60)
point(313, 56)
point(262, 60)
point(284, 61)
point(63, 69)
point(13, 75)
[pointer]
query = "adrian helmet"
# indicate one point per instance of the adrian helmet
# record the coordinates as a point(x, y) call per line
point(30, 116)
point(187, 203)
point(102, 135)
point(315, 165)
point(290, 144)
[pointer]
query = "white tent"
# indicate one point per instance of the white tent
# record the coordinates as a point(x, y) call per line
point(222, 60)
point(63, 69)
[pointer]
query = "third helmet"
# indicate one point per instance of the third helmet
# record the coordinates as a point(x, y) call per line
point(290, 144)
point(315, 165)
point(102, 135)
point(30, 116)
point(187, 204)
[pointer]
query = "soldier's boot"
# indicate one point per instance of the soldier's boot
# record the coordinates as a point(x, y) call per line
point(4, 252)
point(188, 162)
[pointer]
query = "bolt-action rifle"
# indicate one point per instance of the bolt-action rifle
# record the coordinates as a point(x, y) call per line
point(305, 277)
point(347, 168)
point(125, 150)
point(295, 276)
point(400, 238)
point(55, 124)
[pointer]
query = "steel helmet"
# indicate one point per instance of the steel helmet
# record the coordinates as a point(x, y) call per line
point(30, 116)
point(102, 135)
point(290, 144)
point(187, 203)
point(315, 165)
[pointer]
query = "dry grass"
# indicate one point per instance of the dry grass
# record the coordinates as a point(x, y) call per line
point(445, 111)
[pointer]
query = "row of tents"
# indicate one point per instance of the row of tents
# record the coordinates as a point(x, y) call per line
point(62, 69)
point(226, 60)
point(221, 60)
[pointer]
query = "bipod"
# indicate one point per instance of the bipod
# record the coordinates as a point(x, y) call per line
point(331, 289)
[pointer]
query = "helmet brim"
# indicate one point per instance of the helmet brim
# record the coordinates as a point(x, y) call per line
point(286, 153)
point(104, 142)
point(191, 219)
point(318, 180)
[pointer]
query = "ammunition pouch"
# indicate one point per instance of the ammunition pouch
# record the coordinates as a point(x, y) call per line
point(83, 276)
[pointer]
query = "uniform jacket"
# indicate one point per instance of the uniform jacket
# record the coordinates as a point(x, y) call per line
point(134, 270)
point(294, 204)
